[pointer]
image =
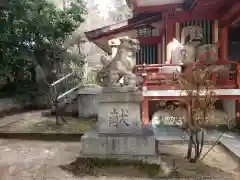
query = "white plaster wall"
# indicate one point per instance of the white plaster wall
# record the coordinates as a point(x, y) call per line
point(230, 107)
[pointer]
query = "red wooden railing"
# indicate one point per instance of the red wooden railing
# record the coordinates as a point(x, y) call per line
point(158, 77)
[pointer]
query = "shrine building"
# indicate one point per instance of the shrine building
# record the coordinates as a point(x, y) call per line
point(157, 23)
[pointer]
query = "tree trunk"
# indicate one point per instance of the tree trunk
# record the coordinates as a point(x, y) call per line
point(190, 145)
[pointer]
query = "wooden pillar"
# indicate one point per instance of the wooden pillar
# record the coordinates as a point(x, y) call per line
point(163, 49)
point(145, 108)
point(237, 102)
point(215, 33)
point(215, 36)
point(238, 113)
point(145, 111)
point(238, 75)
point(159, 50)
point(170, 34)
point(224, 44)
point(177, 29)
point(159, 53)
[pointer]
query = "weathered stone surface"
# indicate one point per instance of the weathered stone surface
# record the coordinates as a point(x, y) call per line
point(192, 35)
point(121, 65)
point(89, 90)
point(119, 127)
point(119, 95)
point(119, 110)
point(119, 89)
point(205, 52)
point(87, 101)
point(95, 145)
point(112, 116)
point(134, 131)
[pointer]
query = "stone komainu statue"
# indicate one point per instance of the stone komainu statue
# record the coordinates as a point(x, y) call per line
point(122, 65)
point(192, 35)
point(192, 48)
point(185, 51)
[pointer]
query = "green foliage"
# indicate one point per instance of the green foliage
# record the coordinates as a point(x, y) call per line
point(32, 33)
point(34, 28)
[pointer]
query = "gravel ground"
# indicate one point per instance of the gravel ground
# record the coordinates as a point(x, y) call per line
point(38, 160)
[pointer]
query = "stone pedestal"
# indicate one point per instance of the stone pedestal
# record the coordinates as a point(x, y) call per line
point(119, 128)
point(97, 145)
point(119, 110)
point(87, 102)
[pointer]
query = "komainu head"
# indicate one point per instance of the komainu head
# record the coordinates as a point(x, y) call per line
point(129, 44)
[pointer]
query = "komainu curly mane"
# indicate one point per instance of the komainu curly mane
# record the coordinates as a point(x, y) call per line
point(122, 65)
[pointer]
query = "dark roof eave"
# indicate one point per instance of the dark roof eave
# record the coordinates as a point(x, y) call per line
point(126, 25)
point(105, 50)
point(94, 33)
point(188, 5)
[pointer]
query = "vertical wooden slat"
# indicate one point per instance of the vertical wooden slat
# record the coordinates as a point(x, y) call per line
point(148, 54)
point(156, 54)
point(215, 39)
point(145, 111)
point(143, 55)
point(159, 54)
point(209, 31)
point(205, 32)
point(163, 50)
point(152, 54)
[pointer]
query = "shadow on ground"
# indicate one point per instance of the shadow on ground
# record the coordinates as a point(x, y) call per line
point(217, 164)
point(33, 126)
point(112, 168)
point(210, 168)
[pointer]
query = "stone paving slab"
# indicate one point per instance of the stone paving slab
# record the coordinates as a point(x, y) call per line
point(180, 137)
point(231, 141)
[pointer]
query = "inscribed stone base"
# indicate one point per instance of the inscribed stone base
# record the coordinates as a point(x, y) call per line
point(119, 110)
point(110, 146)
